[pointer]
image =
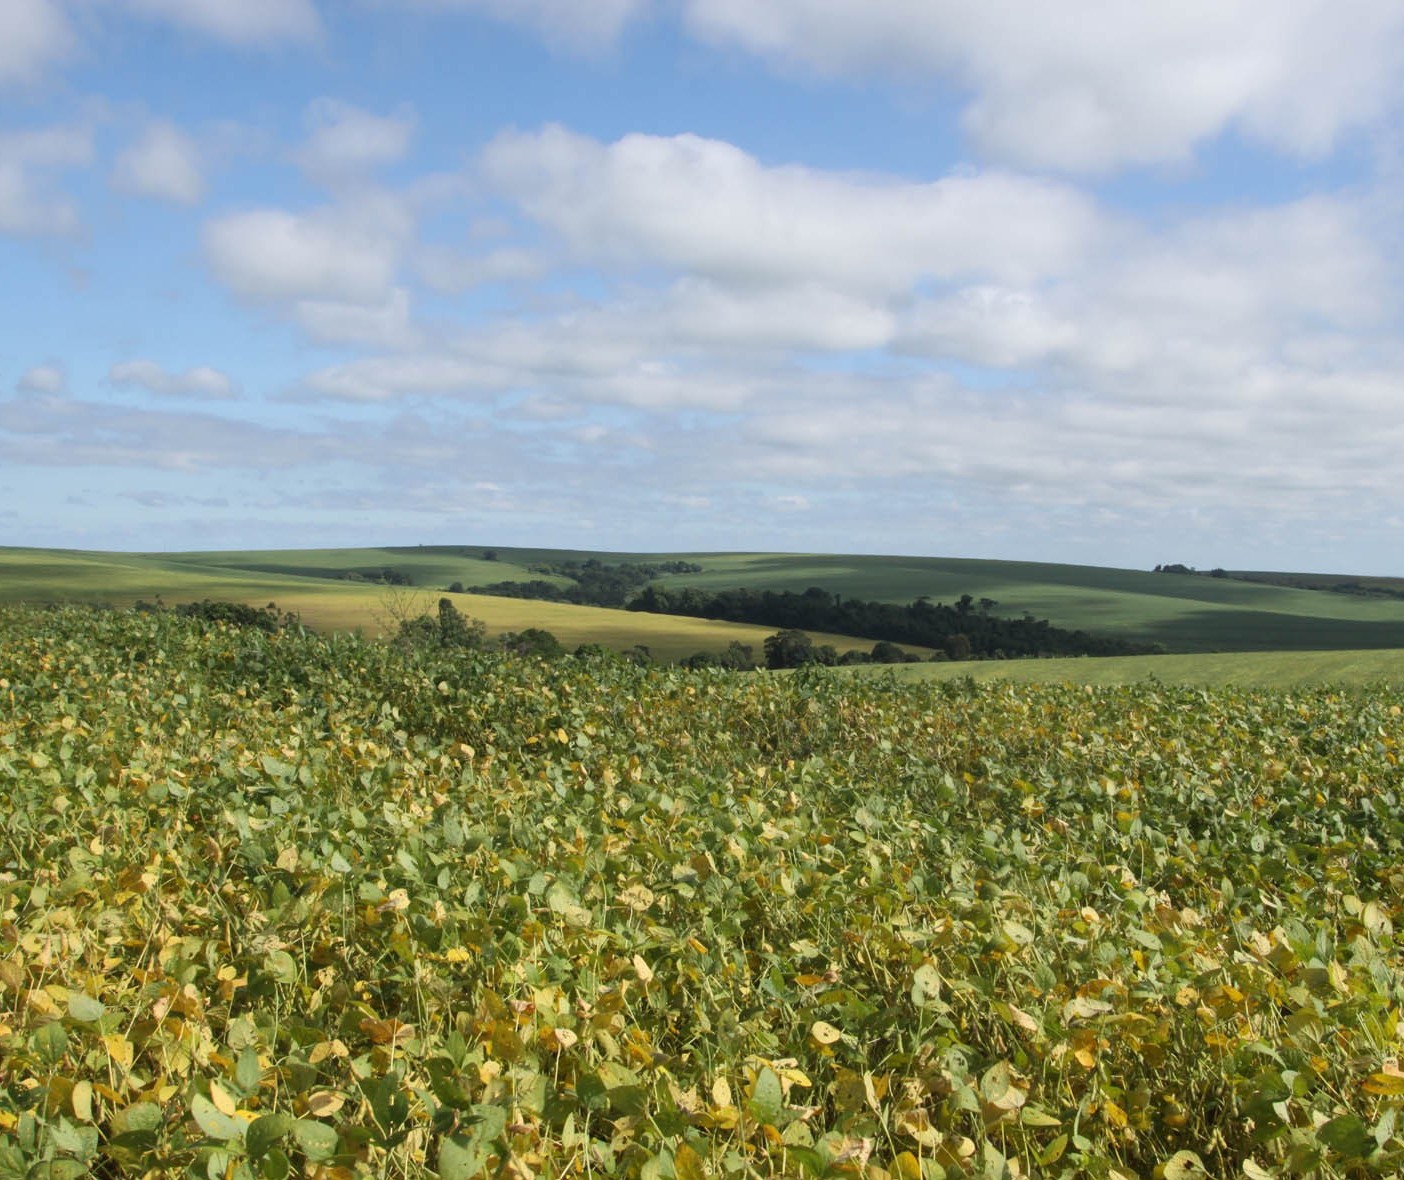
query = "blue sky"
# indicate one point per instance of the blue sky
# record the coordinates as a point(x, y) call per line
point(1092, 282)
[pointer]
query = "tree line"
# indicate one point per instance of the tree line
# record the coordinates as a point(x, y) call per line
point(963, 630)
point(591, 582)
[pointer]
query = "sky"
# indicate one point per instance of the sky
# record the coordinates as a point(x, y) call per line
point(1095, 282)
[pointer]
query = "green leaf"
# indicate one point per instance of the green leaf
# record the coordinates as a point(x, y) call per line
point(1183, 1165)
point(248, 1072)
point(1347, 1136)
point(463, 1156)
point(808, 1159)
point(926, 986)
point(84, 1009)
point(275, 1166)
point(317, 1140)
point(139, 1117)
point(81, 1142)
point(216, 1124)
point(264, 1132)
point(58, 1170)
point(767, 1098)
point(51, 1042)
point(281, 966)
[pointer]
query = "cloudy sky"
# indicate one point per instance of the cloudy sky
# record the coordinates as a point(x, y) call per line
point(1091, 281)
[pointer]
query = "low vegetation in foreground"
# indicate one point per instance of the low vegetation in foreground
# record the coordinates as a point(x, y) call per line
point(277, 904)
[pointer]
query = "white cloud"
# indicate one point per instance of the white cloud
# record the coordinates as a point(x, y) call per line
point(29, 203)
point(450, 271)
point(708, 207)
point(1094, 84)
point(33, 35)
point(199, 382)
point(567, 24)
point(63, 432)
point(379, 379)
point(46, 379)
point(344, 254)
point(163, 163)
point(386, 325)
point(345, 141)
point(1180, 314)
point(805, 316)
point(988, 325)
point(237, 22)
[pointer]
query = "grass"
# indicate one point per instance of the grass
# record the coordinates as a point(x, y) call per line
point(326, 604)
point(1278, 669)
point(1184, 613)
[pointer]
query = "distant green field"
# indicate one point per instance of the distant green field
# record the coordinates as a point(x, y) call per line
point(327, 604)
point(1184, 613)
point(1277, 669)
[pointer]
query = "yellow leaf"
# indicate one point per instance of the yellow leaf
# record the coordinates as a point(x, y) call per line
point(1384, 1083)
point(642, 970)
point(906, 1166)
point(287, 860)
point(917, 1124)
point(824, 1033)
point(791, 1076)
point(721, 1092)
point(688, 1164)
point(223, 1100)
point(321, 1103)
point(386, 1032)
point(119, 1049)
point(82, 1100)
point(1022, 1019)
point(324, 1049)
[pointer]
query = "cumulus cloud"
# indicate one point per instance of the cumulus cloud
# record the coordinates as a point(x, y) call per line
point(1091, 85)
point(46, 379)
point(708, 207)
point(163, 163)
point(33, 35)
point(340, 253)
point(384, 325)
point(30, 203)
point(237, 22)
point(345, 141)
point(449, 271)
point(1182, 313)
point(148, 376)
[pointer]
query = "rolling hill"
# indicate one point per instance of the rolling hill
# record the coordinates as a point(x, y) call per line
point(1182, 612)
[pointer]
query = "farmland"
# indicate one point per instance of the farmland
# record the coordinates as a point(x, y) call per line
point(1185, 614)
point(297, 904)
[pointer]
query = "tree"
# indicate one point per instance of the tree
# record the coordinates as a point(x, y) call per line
point(957, 647)
point(738, 656)
point(788, 649)
point(533, 641)
point(457, 629)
